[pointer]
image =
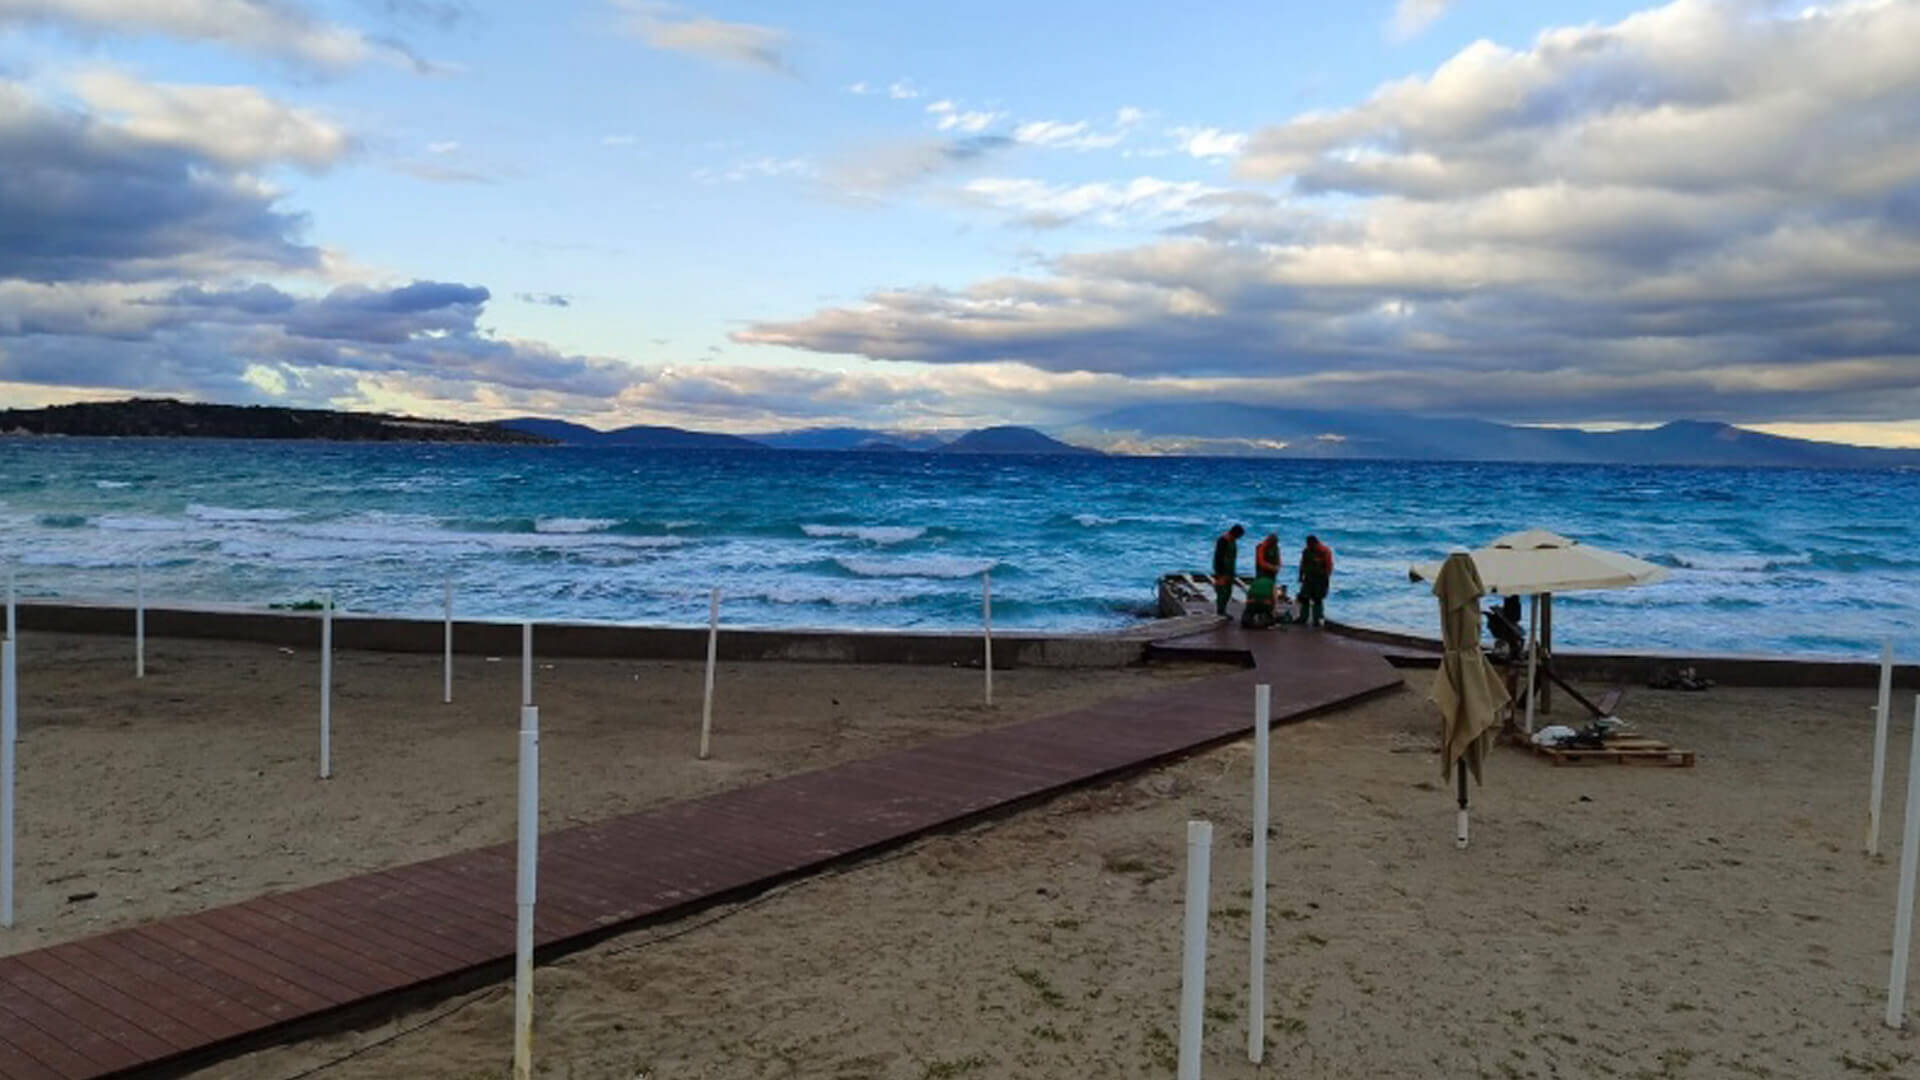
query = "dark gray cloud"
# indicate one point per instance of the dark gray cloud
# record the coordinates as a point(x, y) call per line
point(132, 247)
point(1710, 208)
point(209, 339)
point(84, 199)
point(548, 299)
point(256, 299)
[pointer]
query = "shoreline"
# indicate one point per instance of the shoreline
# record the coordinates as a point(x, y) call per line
point(1012, 649)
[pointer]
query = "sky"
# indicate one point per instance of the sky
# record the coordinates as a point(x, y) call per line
point(744, 217)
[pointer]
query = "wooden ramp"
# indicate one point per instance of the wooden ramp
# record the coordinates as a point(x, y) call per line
point(165, 997)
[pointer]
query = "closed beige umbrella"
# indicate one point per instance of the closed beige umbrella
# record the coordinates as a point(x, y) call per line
point(1467, 689)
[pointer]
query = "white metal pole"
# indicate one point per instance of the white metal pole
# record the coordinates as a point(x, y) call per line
point(1533, 657)
point(713, 649)
point(526, 663)
point(1193, 949)
point(1257, 945)
point(326, 690)
point(140, 618)
point(1909, 862)
point(529, 859)
point(986, 624)
point(9, 734)
point(446, 669)
point(1881, 716)
point(13, 621)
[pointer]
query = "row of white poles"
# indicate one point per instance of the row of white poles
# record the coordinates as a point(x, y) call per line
point(9, 737)
point(1910, 843)
point(528, 863)
point(528, 836)
point(1193, 944)
point(446, 677)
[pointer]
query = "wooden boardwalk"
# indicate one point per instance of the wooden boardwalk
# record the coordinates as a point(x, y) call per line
point(161, 998)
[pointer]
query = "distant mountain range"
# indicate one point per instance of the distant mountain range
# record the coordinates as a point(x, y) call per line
point(1244, 430)
point(992, 440)
point(641, 435)
point(1217, 428)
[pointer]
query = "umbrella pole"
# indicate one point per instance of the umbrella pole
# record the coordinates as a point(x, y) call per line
point(1460, 825)
point(1533, 657)
point(1546, 642)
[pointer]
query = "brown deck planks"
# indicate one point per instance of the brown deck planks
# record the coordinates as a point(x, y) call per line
point(186, 990)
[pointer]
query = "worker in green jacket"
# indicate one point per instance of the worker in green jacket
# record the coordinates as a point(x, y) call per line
point(1226, 566)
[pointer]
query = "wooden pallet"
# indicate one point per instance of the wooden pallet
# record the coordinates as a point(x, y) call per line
point(1620, 750)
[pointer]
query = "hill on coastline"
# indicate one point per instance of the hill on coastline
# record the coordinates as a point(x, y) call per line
point(1010, 440)
point(643, 436)
point(168, 418)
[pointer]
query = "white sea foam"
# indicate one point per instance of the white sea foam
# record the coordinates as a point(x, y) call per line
point(377, 535)
point(933, 566)
point(573, 525)
point(1094, 521)
point(112, 485)
point(229, 513)
point(873, 534)
point(133, 523)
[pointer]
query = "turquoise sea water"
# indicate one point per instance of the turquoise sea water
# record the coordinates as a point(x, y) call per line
point(1801, 562)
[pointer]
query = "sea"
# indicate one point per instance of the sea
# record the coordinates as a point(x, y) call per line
point(1764, 561)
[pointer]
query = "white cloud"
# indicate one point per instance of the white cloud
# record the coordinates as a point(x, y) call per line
point(670, 28)
point(1078, 134)
point(443, 147)
point(1709, 207)
point(618, 140)
point(1143, 200)
point(1048, 132)
point(902, 90)
point(1210, 142)
point(279, 28)
point(949, 117)
point(859, 88)
point(237, 125)
point(756, 169)
point(1412, 17)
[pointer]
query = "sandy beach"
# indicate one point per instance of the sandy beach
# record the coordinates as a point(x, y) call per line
point(198, 786)
point(1634, 922)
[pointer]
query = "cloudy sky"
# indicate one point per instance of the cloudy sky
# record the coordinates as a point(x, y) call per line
point(752, 215)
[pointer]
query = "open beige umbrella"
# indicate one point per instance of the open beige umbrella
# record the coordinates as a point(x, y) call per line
point(1467, 689)
point(1539, 563)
